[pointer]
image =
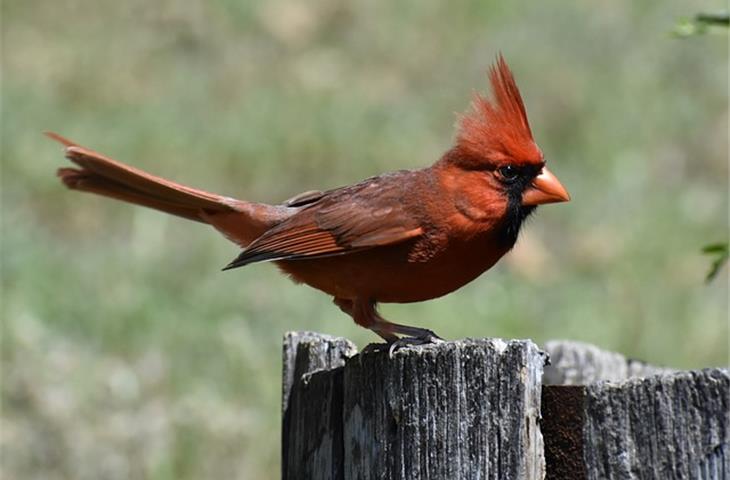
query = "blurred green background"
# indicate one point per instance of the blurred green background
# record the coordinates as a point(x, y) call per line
point(126, 353)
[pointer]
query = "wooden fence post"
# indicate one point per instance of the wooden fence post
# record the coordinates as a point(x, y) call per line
point(578, 363)
point(311, 433)
point(478, 409)
point(464, 409)
point(665, 426)
point(608, 417)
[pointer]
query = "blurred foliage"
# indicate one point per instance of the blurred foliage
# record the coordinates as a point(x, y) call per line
point(721, 252)
point(701, 24)
point(126, 353)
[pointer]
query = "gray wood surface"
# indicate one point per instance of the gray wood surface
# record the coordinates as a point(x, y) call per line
point(578, 363)
point(673, 426)
point(466, 409)
point(472, 409)
point(311, 439)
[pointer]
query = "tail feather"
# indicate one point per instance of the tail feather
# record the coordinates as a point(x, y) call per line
point(140, 180)
point(239, 220)
point(86, 181)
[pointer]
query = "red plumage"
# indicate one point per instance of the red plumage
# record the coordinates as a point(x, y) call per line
point(498, 130)
point(399, 237)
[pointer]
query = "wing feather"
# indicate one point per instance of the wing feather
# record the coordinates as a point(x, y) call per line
point(371, 214)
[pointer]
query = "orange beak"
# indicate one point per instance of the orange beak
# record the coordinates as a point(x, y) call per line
point(545, 188)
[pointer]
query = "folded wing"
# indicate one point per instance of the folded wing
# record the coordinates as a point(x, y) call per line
point(370, 214)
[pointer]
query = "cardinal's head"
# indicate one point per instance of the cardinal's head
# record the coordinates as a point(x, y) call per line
point(494, 142)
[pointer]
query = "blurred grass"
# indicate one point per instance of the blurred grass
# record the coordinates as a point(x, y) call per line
point(127, 354)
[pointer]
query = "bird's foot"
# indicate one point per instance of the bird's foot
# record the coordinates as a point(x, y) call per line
point(422, 337)
point(428, 339)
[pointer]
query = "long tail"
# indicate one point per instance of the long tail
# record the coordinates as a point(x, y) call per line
point(239, 220)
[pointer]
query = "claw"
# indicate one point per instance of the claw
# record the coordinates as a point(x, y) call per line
point(428, 338)
point(404, 342)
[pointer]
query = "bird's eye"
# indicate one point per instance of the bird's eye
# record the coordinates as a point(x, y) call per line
point(509, 173)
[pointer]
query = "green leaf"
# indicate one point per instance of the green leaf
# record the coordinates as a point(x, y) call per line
point(715, 248)
point(721, 252)
point(701, 23)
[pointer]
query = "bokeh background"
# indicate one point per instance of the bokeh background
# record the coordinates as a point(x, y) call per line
point(126, 353)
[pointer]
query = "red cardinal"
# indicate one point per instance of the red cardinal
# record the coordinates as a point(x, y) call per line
point(404, 236)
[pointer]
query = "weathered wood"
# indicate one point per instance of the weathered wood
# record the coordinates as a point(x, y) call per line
point(666, 425)
point(471, 409)
point(458, 410)
point(312, 444)
point(577, 363)
point(562, 431)
point(466, 409)
point(674, 426)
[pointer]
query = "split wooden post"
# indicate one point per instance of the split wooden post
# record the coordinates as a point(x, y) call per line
point(609, 417)
point(478, 409)
point(464, 409)
point(311, 439)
